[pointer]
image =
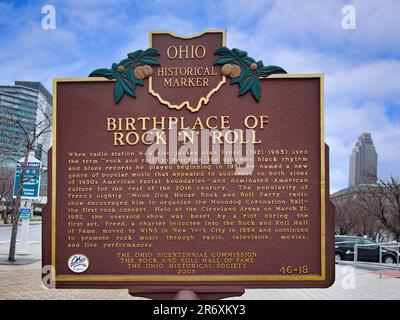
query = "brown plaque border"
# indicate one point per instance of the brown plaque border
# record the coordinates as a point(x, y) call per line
point(202, 278)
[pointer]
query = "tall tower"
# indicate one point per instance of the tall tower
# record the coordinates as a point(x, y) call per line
point(363, 161)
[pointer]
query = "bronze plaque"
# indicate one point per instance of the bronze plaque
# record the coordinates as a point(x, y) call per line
point(140, 201)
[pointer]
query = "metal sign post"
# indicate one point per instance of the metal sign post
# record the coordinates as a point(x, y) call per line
point(25, 212)
point(30, 190)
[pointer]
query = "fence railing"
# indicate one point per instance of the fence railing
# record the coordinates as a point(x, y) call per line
point(382, 247)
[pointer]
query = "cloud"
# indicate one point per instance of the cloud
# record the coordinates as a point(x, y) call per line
point(138, 37)
point(38, 54)
point(378, 27)
point(347, 121)
point(238, 11)
point(376, 80)
point(93, 16)
point(316, 25)
point(387, 141)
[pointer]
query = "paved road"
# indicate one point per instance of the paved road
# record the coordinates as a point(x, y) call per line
point(35, 233)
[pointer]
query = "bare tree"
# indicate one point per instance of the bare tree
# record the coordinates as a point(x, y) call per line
point(367, 224)
point(383, 202)
point(352, 219)
point(6, 189)
point(345, 217)
point(22, 144)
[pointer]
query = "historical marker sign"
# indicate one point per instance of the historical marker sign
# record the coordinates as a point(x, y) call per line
point(188, 165)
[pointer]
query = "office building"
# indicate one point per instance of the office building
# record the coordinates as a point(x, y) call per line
point(363, 162)
point(24, 106)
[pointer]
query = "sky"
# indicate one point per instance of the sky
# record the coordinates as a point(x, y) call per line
point(361, 65)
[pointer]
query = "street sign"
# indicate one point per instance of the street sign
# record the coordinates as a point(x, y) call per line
point(24, 213)
point(24, 210)
point(31, 185)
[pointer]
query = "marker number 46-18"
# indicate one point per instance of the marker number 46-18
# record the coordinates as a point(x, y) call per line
point(294, 269)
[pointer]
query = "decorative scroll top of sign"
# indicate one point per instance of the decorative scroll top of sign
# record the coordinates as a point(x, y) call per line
point(244, 70)
point(187, 71)
point(129, 72)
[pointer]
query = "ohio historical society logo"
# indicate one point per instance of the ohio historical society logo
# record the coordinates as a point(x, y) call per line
point(78, 263)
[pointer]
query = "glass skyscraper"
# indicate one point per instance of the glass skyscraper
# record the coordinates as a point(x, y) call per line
point(22, 106)
point(45, 103)
point(18, 114)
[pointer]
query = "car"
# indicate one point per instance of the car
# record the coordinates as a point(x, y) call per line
point(369, 251)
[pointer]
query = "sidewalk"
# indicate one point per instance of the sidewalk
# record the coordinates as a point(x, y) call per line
point(24, 282)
